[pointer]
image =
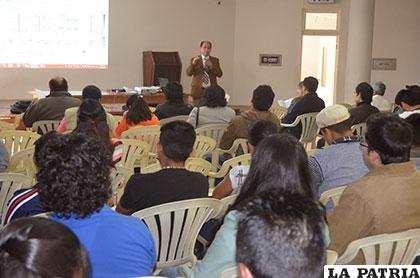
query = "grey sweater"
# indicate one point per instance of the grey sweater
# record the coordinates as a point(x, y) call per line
point(208, 116)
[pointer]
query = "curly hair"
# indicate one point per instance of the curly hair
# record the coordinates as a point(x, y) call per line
point(73, 171)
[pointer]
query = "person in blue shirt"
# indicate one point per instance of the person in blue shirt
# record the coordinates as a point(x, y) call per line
point(74, 172)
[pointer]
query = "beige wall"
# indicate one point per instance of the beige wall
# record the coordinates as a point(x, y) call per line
point(273, 26)
point(397, 35)
point(136, 26)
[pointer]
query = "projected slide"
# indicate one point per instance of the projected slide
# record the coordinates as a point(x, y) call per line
point(54, 34)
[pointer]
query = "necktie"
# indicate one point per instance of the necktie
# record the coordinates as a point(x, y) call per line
point(206, 77)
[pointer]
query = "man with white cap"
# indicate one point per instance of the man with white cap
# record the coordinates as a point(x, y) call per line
point(341, 162)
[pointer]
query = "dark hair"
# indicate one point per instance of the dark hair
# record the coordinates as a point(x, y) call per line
point(260, 130)
point(413, 88)
point(37, 247)
point(174, 93)
point(91, 120)
point(58, 84)
point(203, 42)
point(414, 121)
point(281, 234)
point(177, 139)
point(262, 97)
point(311, 84)
point(390, 136)
point(73, 171)
point(342, 126)
point(409, 97)
point(279, 161)
point(380, 88)
point(91, 92)
point(138, 110)
point(365, 91)
point(214, 96)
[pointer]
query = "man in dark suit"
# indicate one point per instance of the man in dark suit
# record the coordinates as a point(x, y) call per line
point(309, 103)
point(204, 69)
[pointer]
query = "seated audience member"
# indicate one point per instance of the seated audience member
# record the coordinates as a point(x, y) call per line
point(69, 122)
point(409, 102)
point(414, 120)
point(174, 105)
point(173, 182)
point(262, 99)
point(341, 162)
point(232, 183)
point(309, 103)
point(363, 98)
point(378, 100)
point(279, 162)
point(38, 247)
point(386, 200)
point(214, 109)
point(280, 234)
point(53, 106)
point(300, 93)
point(4, 158)
point(76, 187)
point(138, 114)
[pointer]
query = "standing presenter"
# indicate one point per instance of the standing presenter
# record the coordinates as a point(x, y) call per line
point(204, 69)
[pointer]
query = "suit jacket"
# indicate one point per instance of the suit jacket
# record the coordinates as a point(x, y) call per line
point(196, 71)
point(309, 103)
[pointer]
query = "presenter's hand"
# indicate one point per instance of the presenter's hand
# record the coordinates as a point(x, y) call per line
point(195, 60)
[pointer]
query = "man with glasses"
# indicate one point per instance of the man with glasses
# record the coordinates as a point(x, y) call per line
point(341, 162)
point(386, 200)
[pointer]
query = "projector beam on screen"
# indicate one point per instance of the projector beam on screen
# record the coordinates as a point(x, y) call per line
point(71, 34)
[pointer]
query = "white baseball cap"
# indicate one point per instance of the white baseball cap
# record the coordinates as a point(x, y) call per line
point(332, 115)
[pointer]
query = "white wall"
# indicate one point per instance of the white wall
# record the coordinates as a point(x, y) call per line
point(274, 26)
point(137, 26)
point(397, 35)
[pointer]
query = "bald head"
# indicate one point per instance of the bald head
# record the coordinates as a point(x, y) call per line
point(58, 84)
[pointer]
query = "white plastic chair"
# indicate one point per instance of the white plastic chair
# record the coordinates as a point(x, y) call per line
point(240, 143)
point(148, 134)
point(227, 202)
point(45, 126)
point(214, 131)
point(359, 129)
point(7, 126)
point(134, 150)
point(172, 119)
point(244, 159)
point(331, 257)
point(198, 165)
point(309, 128)
point(229, 273)
point(279, 111)
point(203, 145)
point(10, 183)
point(333, 194)
point(386, 249)
point(175, 227)
point(152, 168)
point(23, 162)
point(18, 140)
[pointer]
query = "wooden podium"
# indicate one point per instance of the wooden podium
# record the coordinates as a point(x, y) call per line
point(161, 65)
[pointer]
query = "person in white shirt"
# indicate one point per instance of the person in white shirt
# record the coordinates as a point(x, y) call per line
point(409, 102)
point(232, 183)
point(378, 100)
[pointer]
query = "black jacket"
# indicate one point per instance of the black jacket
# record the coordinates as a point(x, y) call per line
point(360, 113)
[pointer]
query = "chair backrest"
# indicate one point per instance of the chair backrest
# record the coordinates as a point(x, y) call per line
point(175, 118)
point(359, 129)
point(331, 257)
point(152, 168)
point(7, 126)
point(386, 249)
point(199, 165)
point(244, 159)
point(175, 227)
point(309, 127)
point(229, 273)
point(227, 202)
point(23, 162)
point(214, 131)
point(117, 120)
point(333, 194)
point(279, 111)
point(133, 150)
point(148, 134)
point(202, 146)
point(10, 183)
point(44, 127)
point(18, 140)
